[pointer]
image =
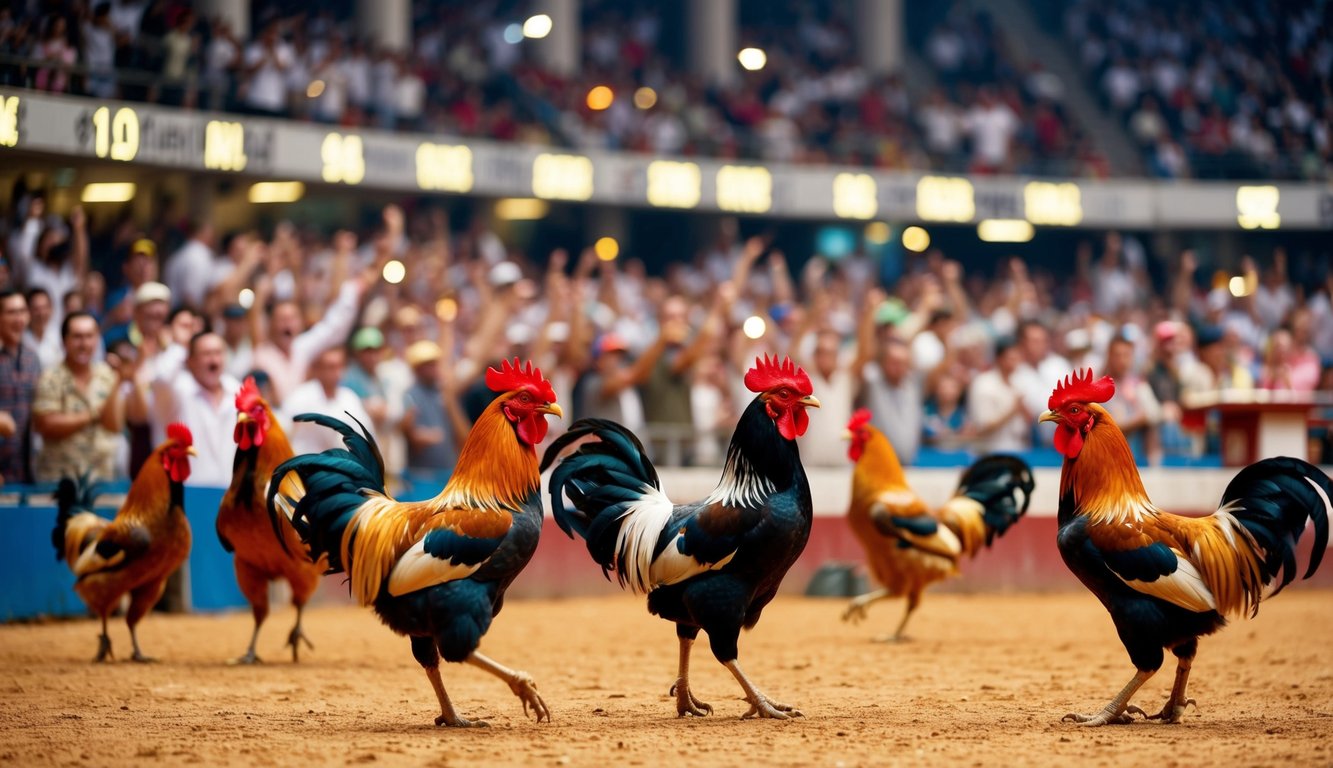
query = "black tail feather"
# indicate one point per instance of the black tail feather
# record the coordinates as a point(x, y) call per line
point(1002, 485)
point(336, 482)
point(602, 478)
point(1273, 500)
point(72, 496)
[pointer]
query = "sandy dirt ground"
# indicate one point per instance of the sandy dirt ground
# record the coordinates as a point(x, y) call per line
point(983, 681)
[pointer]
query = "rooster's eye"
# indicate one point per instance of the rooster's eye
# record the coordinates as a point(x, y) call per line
point(1074, 409)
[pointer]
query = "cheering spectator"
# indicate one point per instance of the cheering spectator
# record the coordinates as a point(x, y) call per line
point(77, 408)
point(1134, 407)
point(995, 404)
point(433, 420)
point(19, 370)
point(323, 393)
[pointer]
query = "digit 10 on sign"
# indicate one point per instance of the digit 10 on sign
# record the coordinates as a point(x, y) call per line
point(116, 135)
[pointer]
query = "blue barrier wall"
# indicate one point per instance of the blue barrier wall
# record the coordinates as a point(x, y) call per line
point(35, 584)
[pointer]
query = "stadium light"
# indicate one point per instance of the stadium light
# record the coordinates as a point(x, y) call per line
point(315, 89)
point(520, 209)
point(513, 34)
point(394, 271)
point(645, 98)
point(537, 27)
point(108, 192)
point(606, 248)
point(246, 298)
point(754, 327)
point(446, 309)
point(600, 97)
point(1005, 230)
point(752, 59)
point(1240, 286)
point(276, 191)
point(916, 239)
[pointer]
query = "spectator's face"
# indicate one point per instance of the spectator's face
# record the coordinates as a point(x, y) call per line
point(1119, 359)
point(1007, 361)
point(1036, 344)
point(140, 268)
point(1214, 356)
point(328, 368)
point(207, 359)
point(81, 342)
point(369, 358)
point(427, 373)
point(13, 319)
point(896, 361)
point(826, 355)
point(185, 325)
point(286, 323)
point(40, 307)
point(948, 391)
point(151, 317)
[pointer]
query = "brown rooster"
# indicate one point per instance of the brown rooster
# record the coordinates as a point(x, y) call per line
point(136, 552)
point(243, 523)
point(909, 546)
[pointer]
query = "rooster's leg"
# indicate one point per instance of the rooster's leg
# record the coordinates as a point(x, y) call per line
point(760, 705)
point(1114, 712)
point(142, 601)
point(686, 704)
point(254, 585)
point(1175, 706)
point(856, 610)
point(103, 644)
point(521, 683)
point(913, 600)
point(423, 648)
point(296, 637)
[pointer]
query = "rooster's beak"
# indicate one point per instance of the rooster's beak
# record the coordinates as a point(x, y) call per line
point(1048, 416)
point(554, 409)
point(847, 434)
point(242, 417)
point(190, 450)
point(809, 401)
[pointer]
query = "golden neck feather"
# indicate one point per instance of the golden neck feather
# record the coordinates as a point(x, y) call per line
point(495, 468)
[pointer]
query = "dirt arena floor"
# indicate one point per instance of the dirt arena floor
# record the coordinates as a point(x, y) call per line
point(983, 681)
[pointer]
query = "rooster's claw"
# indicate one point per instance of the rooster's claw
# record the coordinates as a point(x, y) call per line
point(1171, 712)
point(687, 704)
point(459, 722)
point(1103, 717)
point(765, 708)
point(103, 650)
point(142, 659)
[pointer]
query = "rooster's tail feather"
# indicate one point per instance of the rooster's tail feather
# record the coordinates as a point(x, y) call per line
point(1272, 500)
point(330, 487)
point(992, 495)
point(74, 499)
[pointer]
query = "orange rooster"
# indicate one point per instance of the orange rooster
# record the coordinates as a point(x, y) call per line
point(909, 546)
point(244, 527)
point(139, 549)
point(1168, 580)
point(434, 570)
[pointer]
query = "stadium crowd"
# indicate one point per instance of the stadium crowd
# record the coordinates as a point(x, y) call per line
point(812, 103)
point(106, 336)
point(1238, 89)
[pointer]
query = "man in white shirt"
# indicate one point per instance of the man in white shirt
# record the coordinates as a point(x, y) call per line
point(991, 126)
point(288, 352)
point(266, 63)
point(995, 404)
point(203, 398)
point(191, 272)
point(323, 393)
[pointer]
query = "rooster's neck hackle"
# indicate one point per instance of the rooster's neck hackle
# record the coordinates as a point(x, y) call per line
point(495, 469)
point(878, 467)
point(1104, 478)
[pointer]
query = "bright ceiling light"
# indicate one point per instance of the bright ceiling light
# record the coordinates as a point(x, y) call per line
point(108, 192)
point(606, 248)
point(537, 27)
point(752, 59)
point(916, 239)
point(394, 272)
point(1004, 230)
point(754, 327)
point(600, 97)
point(276, 191)
point(520, 209)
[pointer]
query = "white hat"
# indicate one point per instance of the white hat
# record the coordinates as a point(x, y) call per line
point(504, 273)
point(152, 291)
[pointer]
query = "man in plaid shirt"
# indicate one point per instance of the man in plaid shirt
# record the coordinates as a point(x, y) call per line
point(18, 379)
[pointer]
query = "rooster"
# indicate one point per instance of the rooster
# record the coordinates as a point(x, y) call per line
point(909, 546)
point(243, 526)
point(1168, 580)
point(434, 570)
point(136, 552)
point(711, 565)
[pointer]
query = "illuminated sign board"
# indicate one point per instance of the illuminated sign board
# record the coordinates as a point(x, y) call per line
point(9, 121)
point(224, 146)
point(855, 196)
point(343, 158)
point(1059, 204)
point(674, 184)
point(562, 177)
point(744, 189)
point(444, 168)
point(116, 135)
point(945, 198)
point(1256, 207)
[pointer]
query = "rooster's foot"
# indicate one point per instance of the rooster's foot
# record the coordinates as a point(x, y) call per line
point(686, 703)
point(764, 707)
point(890, 639)
point(856, 611)
point(294, 639)
point(103, 650)
point(142, 659)
point(1171, 712)
point(458, 722)
point(250, 657)
point(1103, 718)
point(525, 688)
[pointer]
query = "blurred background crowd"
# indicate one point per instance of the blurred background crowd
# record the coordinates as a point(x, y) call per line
point(1238, 91)
point(109, 333)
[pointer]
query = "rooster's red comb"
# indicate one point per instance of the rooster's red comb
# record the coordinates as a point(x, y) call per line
point(860, 418)
point(512, 376)
point(768, 374)
point(248, 396)
point(180, 433)
point(1080, 388)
